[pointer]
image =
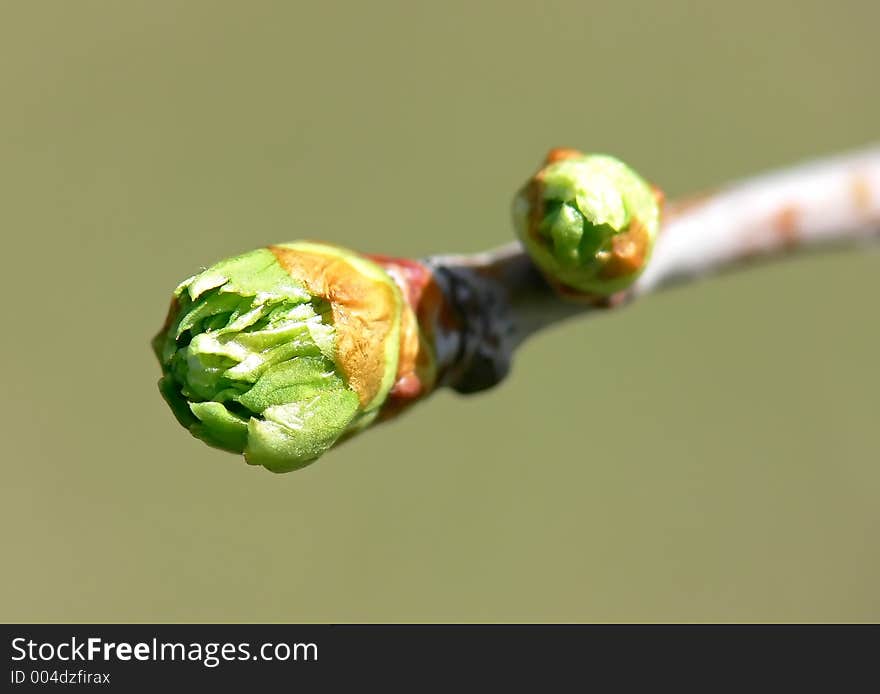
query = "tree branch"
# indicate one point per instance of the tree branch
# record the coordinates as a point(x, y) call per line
point(501, 298)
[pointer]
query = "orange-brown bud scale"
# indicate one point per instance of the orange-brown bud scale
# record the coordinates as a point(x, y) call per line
point(416, 372)
point(362, 313)
point(562, 153)
point(629, 250)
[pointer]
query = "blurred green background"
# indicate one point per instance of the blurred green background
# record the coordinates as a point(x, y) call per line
point(710, 453)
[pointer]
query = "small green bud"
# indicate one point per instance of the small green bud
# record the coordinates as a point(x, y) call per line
point(589, 222)
point(279, 352)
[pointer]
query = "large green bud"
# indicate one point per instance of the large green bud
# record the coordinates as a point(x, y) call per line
point(589, 222)
point(279, 352)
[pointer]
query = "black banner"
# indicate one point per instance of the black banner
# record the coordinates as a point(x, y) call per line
point(541, 657)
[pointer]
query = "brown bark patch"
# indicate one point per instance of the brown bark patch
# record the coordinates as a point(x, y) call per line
point(860, 190)
point(785, 225)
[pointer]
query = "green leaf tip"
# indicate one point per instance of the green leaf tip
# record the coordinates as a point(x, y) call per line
point(254, 363)
point(588, 221)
